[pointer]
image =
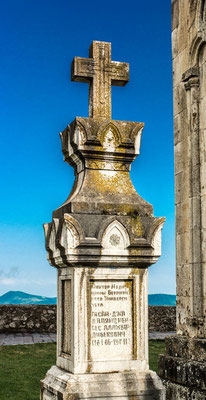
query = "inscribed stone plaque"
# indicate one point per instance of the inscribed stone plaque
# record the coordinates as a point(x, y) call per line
point(66, 316)
point(111, 322)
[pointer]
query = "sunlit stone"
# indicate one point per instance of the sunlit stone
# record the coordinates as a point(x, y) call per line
point(102, 241)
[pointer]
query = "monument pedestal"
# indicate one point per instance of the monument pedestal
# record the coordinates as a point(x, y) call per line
point(102, 315)
point(128, 385)
point(102, 241)
point(102, 337)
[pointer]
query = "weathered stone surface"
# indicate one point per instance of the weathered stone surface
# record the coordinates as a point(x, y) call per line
point(100, 72)
point(162, 318)
point(179, 392)
point(186, 348)
point(189, 119)
point(102, 239)
point(27, 318)
point(59, 384)
point(183, 368)
point(107, 332)
point(187, 373)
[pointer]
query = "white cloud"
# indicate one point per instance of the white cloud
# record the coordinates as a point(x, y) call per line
point(7, 281)
point(13, 281)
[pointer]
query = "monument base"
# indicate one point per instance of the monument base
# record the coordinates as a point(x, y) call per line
point(183, 368)
point(61, 385)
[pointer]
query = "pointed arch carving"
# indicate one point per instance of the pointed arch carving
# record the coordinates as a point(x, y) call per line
point(65, 137)
point(154, 236)
point(136, 135)
point(71, 233)
point(80, 134)
point(50, 236)
point(115, 236)
point(47, 232)
point(109, 137)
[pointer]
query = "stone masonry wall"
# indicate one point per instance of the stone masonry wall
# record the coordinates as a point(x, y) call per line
point(162, 318)
point(42, 318)
point(27, 318)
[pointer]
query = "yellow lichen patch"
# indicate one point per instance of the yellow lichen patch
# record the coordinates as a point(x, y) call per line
point(136, 226)
point(136, 252)
point(109, 181)
point(136, 271)
point(130, 284)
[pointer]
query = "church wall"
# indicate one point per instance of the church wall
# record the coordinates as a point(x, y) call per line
point(188, 38)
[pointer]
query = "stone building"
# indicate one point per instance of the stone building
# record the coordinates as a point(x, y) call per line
point(183, 368)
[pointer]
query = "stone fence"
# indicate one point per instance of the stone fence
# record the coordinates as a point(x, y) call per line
point(27, 318)
point(162, 318)
point(42, 318)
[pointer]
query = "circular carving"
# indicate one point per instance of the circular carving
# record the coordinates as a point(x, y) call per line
point(114, 240)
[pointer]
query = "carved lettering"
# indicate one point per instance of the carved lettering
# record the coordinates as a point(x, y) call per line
point(111, 319)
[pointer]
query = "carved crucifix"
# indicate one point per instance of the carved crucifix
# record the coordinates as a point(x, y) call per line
point(100, 72)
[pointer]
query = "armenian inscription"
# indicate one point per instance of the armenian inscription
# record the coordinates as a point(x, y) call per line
point(111, 319)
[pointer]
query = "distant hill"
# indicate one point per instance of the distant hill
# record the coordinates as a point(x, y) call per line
point(160, 299)
point(18, 297)
point(25, 298)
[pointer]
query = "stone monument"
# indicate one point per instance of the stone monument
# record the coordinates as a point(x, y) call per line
point(183, 368)
point(102, 241)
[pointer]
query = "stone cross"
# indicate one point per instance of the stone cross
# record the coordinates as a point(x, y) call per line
point(100, 72)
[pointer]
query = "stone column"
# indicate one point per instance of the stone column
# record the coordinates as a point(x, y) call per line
point(102, 241)
point(183, 366)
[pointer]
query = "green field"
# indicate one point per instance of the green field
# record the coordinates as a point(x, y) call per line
point(22, 367)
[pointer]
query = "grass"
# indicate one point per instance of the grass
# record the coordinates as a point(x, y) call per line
point(22, 367)
point(156, 347)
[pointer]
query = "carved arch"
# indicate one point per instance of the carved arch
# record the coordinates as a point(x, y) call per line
point(154, 235)
point(65, 137)
point(196, 45)
point(51, 237)
point(201, 50)
point(115, 236)
point(47, 233)
point(200, 37)
point(109, 136)
point(74, 232)
point(136, 136)
point(80, 134)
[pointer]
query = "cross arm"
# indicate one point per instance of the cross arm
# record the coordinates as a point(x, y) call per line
point(82, 69)
point(119, 73)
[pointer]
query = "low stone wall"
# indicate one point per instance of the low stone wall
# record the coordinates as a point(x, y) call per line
point(42, 318)
point(162, 318)
point(27, 318)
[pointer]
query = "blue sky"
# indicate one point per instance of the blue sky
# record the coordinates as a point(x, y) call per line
point(38, 41)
